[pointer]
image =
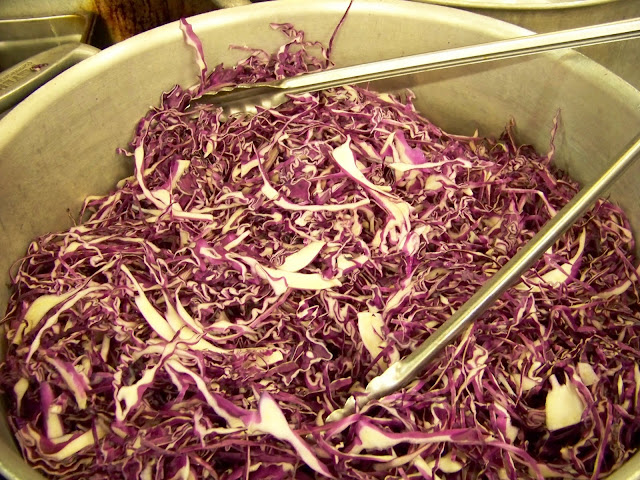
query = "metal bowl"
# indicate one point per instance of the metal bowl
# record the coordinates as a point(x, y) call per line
point(549, 15)
point(59, 144)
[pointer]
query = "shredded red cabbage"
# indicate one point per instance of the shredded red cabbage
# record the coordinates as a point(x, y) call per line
point(254, 273)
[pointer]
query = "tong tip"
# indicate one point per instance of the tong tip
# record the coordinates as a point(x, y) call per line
point(339, 414)
point(387, 382)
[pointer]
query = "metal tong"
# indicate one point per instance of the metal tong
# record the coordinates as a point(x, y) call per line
point(245, 98)
point(402, 372)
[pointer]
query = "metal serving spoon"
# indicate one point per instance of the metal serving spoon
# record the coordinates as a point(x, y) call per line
point(405, 370)
point(245, 98)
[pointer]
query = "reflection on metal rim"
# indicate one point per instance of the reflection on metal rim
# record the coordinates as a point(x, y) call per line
point(520, 5)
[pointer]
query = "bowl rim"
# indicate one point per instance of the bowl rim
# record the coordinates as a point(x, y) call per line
point(520, 5)
point(17, 121)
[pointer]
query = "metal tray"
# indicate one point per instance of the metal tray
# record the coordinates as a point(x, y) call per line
point(22, 38)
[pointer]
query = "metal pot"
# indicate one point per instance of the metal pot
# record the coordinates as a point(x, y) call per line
point(59, 144)
point(541, 16)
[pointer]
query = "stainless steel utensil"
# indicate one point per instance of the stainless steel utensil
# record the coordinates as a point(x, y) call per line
point(405, 370)
point(245, 98)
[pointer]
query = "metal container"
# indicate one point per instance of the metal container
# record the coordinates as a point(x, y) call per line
point(21, 38)
point(59, 144)
point(541, 16)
